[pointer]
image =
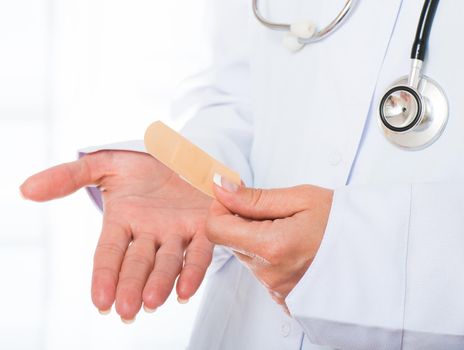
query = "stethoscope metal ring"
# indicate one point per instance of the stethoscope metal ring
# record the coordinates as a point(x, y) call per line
point(419, 113)
point(432, 121)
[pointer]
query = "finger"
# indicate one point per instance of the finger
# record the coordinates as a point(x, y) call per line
point(64, 179)
point(197, 259)
point(136, 267)
point(168, 264)
point(247, 237)
point(108, 258)
point(261, 204)
point(252, 260)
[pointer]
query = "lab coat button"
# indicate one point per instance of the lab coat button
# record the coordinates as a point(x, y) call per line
point(335, 158)
point(285, 329)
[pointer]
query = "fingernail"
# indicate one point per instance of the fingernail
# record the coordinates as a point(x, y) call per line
point(148, 310)
point(182, 301)
point(224, 183)
point(127, 321)
point(22, 194)
point(104, 312)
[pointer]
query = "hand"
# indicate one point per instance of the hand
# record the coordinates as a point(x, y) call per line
point(151, 218)
point(276, 233)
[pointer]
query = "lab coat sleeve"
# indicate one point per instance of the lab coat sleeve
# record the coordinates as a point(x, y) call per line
point(389, 271)
point(216, 102)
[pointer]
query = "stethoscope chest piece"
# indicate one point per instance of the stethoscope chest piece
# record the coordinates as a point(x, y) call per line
point(413, 118)
point(414, 111)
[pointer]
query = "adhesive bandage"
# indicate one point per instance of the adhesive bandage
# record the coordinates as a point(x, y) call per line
point(190, 162)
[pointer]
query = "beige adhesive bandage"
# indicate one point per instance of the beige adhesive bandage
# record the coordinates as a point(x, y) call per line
point(184, 158)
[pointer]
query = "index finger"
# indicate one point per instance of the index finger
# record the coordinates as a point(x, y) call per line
point(64, 179)
point(245, 236)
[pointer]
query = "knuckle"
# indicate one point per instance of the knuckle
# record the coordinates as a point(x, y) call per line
point(138, 259)
point(163, 276)
point(73, 173)
point(195, 268)
point(169, 242)
point(105, 270)
point(256, 197)
point(177, 240)
point(147, 240)
point(109, 248)
point(104, 159)
point(170, 258)
point(132, 281)
point(199, 253)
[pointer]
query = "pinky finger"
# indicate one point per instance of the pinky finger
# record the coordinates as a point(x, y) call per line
point(197, 259)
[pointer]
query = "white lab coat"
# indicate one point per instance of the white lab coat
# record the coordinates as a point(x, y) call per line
point(390, 271)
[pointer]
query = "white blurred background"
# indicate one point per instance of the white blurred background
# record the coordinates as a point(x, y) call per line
point(75, 73)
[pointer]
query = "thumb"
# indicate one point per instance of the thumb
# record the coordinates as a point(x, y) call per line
point(259, 204)
point(64, 179)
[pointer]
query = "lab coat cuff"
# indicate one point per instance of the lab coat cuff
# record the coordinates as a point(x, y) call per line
point(133, 145)
point(354, 291)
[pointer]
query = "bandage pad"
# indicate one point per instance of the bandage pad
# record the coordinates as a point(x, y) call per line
point(187, 160)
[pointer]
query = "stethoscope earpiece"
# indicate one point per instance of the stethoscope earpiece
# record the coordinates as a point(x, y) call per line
point(292, 42)
point(303, 29)
point(302, 33)
point(294, 39)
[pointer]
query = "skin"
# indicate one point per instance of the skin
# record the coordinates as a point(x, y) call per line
point(275, 233)
point(157, 228)
point(153, 228)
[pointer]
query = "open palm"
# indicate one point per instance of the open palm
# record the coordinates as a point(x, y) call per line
point(153, 228)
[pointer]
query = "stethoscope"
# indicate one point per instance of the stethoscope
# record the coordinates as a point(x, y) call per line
point(302, 33)
point(413, 112)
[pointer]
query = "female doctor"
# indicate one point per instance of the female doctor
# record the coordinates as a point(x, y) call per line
point(355, 239)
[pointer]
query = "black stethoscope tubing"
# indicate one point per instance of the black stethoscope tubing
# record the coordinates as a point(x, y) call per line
point(421, 42)
point(418, 52)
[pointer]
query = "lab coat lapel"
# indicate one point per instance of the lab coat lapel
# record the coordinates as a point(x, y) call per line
point(371, 51)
